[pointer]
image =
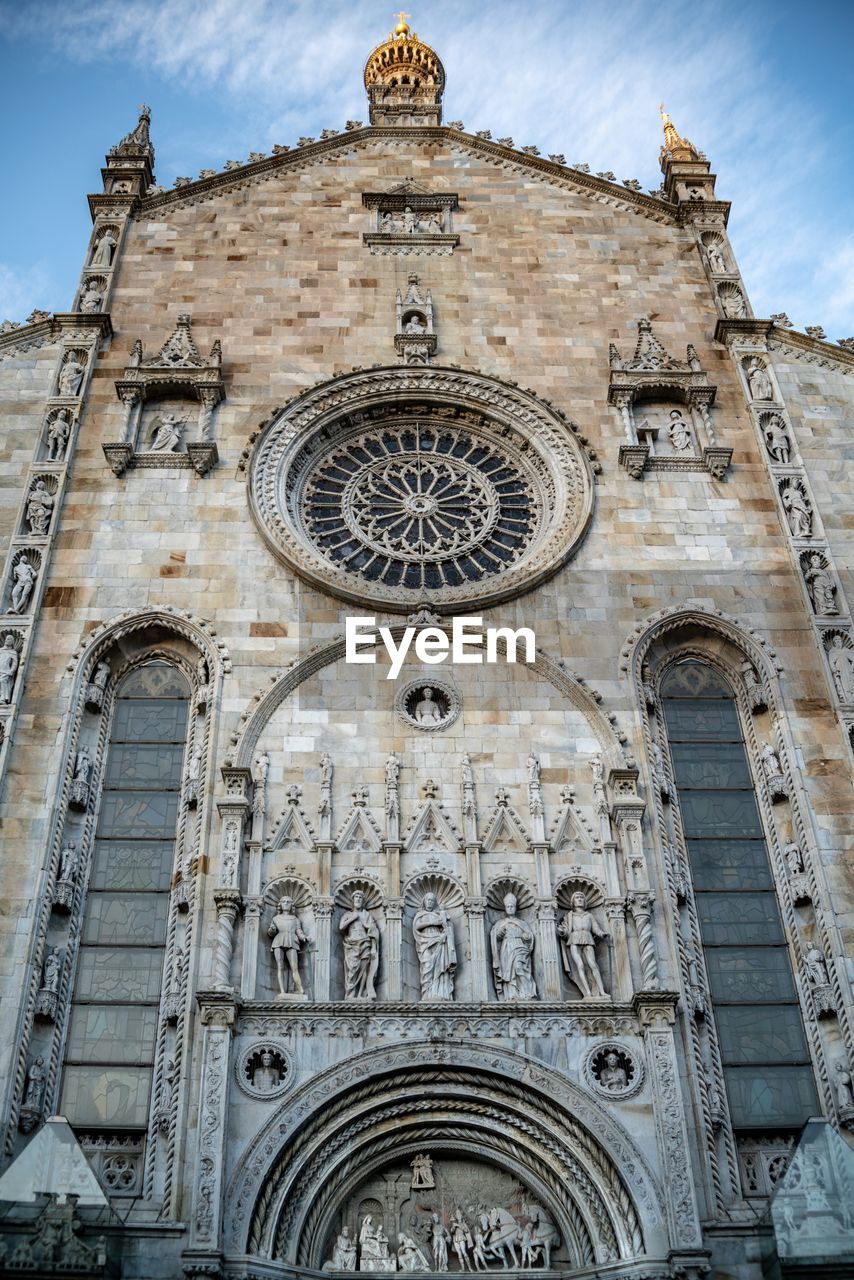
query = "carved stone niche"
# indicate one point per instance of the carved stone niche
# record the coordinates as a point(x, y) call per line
point(512, 983)
point(409, 219)
point(415, 339)
point(594, 894)
point(612, 1071)
point(23, 576)
point(93, 289)
point(428, 704)
point(179, 373)
point(292, 898)
point(264, 1070)
point(649, 389)
point(838, 646)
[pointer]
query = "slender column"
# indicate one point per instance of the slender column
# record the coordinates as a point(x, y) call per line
point(640, 905)
point(475, 909)
point(323, 908)
point(324, 867)
point(251, 934)
point(233, 811)
point(392, 868)
point(131, 401)
point(621, 972)
point(227, 906)
point(542, 871)
point(218, 1016)
point(392, 940)
point(547, 945)
point(473, 880)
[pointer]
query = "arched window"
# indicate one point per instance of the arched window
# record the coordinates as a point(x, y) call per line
point(113, 1029)
point(764, 1053)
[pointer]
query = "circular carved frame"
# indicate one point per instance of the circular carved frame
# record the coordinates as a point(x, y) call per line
point(336, 418)
point(444, 721)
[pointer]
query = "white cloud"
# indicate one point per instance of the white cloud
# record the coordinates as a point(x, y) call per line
point(576, 78)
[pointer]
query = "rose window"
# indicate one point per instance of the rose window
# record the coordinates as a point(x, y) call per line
point(420, 508)
point(404, 487)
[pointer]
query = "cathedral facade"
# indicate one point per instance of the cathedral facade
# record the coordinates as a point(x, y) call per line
point(426, 726)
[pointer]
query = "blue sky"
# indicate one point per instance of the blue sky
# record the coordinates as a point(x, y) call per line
point(764, 88)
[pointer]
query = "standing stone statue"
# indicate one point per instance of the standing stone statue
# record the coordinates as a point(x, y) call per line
point(71, 376)
point(39, 508)
point(798, 511)
point(288, 936)
point(578, 932)
point(104, 250)
point(8, 668)
point(436, 950)
point(92, 298)
point(680, 432)
point(717, 262)
point(82, 766)
point(777, 439)
point(34, 1091)
point(438, 1243)
point(69, 860)
point(841, 659)
point(816, 966)
point(512, 943)
point(760, 383)
point(461, 1239)
point(361, 939)
point(51, 970)
point(844, 1091)
point(600, 799)
point(821, 587)
point(57, 436)
point(422, 1173)
point(794, 858)
point(25, 575)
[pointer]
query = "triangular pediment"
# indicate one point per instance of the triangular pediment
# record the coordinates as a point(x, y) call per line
point(359, 833)
point(294, 833)
point(570, 832)
point(430, 831)
point(408, 188)
point(505, 832)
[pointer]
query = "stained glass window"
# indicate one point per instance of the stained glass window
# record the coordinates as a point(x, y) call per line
point(112, 1036)
point(767, 1070)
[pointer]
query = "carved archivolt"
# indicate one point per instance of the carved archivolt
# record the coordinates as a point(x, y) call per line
point(291, 1182)
point(393, 486)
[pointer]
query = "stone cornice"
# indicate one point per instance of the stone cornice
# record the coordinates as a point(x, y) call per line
point(727, 331)
point(585, 183)
point(28, 334)
point(812, 349)
point(77, 320)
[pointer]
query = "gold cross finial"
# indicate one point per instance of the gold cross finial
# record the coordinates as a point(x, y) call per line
point(402, 28)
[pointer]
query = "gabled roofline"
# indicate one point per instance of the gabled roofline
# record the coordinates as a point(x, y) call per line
point(588, 183)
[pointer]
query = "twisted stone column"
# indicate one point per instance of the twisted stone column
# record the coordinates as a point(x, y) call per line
point(227, 906)
point(640, 905)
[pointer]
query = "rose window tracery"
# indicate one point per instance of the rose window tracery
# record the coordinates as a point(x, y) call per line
point(400, 486)
point(420, 508)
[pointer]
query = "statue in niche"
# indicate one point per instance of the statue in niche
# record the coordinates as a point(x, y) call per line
point(841, 660)
point(101, 675)
point(821, 587)
point(104, 250)
point(844, 1090)
point(34, 1091)
point(82, 766)
point(410, 221)
point(760, 383)
point(51, 971)
point(438, 1243)
point(777, 439)
point(798, 512)
point(69, 860)
point(816, 966)
point(794, 858)
point(422, 1173)
point(733, 305)
point(717, 262)
point(57, 436)
point(166, 436)
point(512, 943)
point(39, 508)
point(415, 324)
point(92, 299)
point(680, 432)
point(361, 939)
point(427, 709)
point(410, 1256)
point(343, 1252)
point(600, 799)
point(8, 668)
point(437, 954)
point(267, 1076)
point(25, 575)
point(578, 932)
point(613, 1074)
point(288, 937)
point(71, 376)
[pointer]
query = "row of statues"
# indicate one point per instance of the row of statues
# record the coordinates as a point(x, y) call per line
point(511, 950)
point(494, 1236)
point(411, 222)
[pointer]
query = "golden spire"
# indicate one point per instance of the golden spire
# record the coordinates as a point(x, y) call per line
point(402, 28)
point(678, 147)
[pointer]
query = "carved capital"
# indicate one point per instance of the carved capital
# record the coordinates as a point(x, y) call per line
point(475, 907)
point(217, 1009)
point(228, 902)
point(238, 783)
point(119, 456)
point(655, 1010)
point(634, 459)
